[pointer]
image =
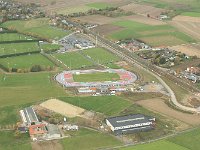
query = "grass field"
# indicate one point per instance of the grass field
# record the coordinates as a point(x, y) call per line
point(101, 56)
point(191, 14)
point(159, 145)
point(74, 60)
point(37, 28)
point(159, 35)
point(99, 5)
point(49, 47)
point(82, 8)
point(88, 140)
point(94, 77)
point(25, 61)
point(15, 48)
point(17, 89)
point(14, 37)
point(109, 105)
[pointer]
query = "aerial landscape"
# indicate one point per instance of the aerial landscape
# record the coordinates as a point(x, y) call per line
point(100, 75)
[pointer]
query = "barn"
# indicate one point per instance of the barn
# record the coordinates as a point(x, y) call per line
point(130, 123)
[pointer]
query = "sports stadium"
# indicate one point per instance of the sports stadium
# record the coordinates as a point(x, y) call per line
point(66, 78)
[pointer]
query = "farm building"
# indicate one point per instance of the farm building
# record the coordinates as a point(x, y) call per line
point(28, 116)
point(37, 131)
point(130, 123)
point(53, 131)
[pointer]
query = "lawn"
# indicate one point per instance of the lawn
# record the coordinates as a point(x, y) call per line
point(100, 55)
point(74, 60)
point(16, 48)
point(95, 77)
point(48, 48)
point(26, 61)
point(158, 145)
point(99, 5)
point(9, 142)
point(108, 105)
point(191, 14)
point(152, 35)
point(89, 140)
point(189, 140)
point(36, 27)
point(14, 37)
point(17, 89)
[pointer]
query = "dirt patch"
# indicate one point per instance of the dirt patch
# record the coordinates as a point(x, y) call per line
point(143, 9)
point(144, 19)
point(46, 145)
point(158, 105)
point(107, 29)
point(62, 108)
point(190, 49)
point(186, 19)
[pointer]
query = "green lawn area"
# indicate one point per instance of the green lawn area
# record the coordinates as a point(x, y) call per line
point(99, 5)
point(17, 89)
point(94, 77)
point(189, 140)
point(14, 48)
point(159, 35)
point(158, 145)
point(49, 47)
point(75, 9)
point(191, 14)
point(25, 61)
point(100, 55)
point(36, 27)
point(14, 37)
point(109, 105)
point(89, 140)
point(74, 60)
point(9, 142)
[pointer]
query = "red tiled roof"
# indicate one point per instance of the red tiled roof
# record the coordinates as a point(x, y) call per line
point(37, 129)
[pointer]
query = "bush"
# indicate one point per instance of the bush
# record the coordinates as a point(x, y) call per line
point(36, 68)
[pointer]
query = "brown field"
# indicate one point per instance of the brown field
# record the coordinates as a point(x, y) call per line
point(190, 49)
point(144, 19)
point(46, 145)
point(107, 29)
point(161, 41)
point(143, 9)
point(96, 19)
point(189, 25)
point(158, 105)
point(62, 108)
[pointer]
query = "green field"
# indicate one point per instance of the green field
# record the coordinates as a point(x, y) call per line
point(15, 48)
point(14, 37)
point(89, 140)
point(74, 60)
point(9, 142)
point(191, 14)
point(49, 47)
point(95, 77)
point(101, 56)
point(159, 35)
point(37, 28)
point(26, 61)
point(159, 145)
point(76, 9)
point(17, 89)
point(99, 5)
point(108, 105)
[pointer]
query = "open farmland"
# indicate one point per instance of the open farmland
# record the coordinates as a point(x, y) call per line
point(17, 48)
point(49, 47)
point(26, 61)
point(108, 105)
point(14, 37)
point(37, 28)
point(95, 77)
point(89, 140)
point(21, 143)
point(192, 14)
point(146, 32)
point(74, 60)
point(17, 89)
point(99, 5)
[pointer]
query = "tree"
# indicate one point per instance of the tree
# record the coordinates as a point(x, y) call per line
point(162, 60)
point(36, 68)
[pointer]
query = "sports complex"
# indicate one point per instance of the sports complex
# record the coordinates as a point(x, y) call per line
point(66, 78)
